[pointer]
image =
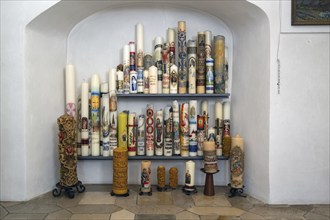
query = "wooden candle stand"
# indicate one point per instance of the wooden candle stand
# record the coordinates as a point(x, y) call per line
point(209, 183)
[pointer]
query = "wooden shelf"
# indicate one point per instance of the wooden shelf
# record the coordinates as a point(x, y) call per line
point(149, 158)
point(225, 95)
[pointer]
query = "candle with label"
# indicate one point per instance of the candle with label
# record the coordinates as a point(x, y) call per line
point(193, 128)
point(145, 176)
point(159, 133)
point(131, 132)
point(182, 57)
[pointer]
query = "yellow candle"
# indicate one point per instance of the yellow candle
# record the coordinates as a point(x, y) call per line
point(122, 129)
point(161, 176)
point(120, 160)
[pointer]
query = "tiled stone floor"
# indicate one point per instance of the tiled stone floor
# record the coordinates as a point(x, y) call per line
point(96, 203)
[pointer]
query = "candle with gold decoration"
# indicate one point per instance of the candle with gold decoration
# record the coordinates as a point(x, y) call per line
point(174, 176)
point(200, 78)
point(113, 122)
point(145, 176)
point(122, 129)
point(184, 130)
point(150, 128)
point(120, 162)
point(219, 61)
point(182, 57)
point(131, 131)
point(161, 177)
point(159, 133)
point(237, 162)
point(226, 130)
point(95, 108)
point(200, 134)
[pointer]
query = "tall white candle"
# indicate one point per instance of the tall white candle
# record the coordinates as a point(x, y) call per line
point(141, 135)
point(176, 128)
point(208, 44)
point(95, 108)
point(184, 130)
point(126, 63)
point(120, 81)
point(158, 62)
point(193, 128)
point(226, 110)
point(139, 45)
point(171, 42)
point(84, 119)
point(105, 120)
point(70, 90)
point(218, 110)
point(174, 79)
point(153, 80)
point(190, 174)
point(112, 80)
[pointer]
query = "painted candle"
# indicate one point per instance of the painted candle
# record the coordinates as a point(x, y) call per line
point(131, 132)
point(192, 55)
point(70, 90)
point(176, 128)
point(84, 119)
point(189, 175)
point(209, 85)
point(161, 177)
point(182, 57)
point(218, 127)
point(150, 128)
point(147, 64)
point(95, 114)
point(226, 139)
point(171, 42)
point(153, 85)
point(159, 133)
point(200, 134)
point(141, 135)
point(208, 44)
point(174, 177)
point(159, 63)
point(210, 157)
point(122, 129)
point(211, 135)
point(193, 128)
point(140, 85)
point(112, 80)
point(105, 120)
point(145, 176)
point(200, 78)
point(184, 130)
point(168, 126)
point(139, 45)
point(237, 162)
point(174, 79)
point(205, 113)
point(120, 164)
point(132, 64)
point(113, 122)
point(126, 64)
point(133, 82)
point(219, 61)
point(120, 81)
point(166, 70)
point(79, 126)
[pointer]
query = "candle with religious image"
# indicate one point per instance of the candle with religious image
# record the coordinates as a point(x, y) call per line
point(159, 133)
point(189, 176)
point(171, 42)
point(192, 55)
point(84, 119)
point(184, 130)
point(132, 64)
point(131, 131)
point(176, 128)
point(141, 135)
point(168, 126)
point(122, 129)
point(95, 110)
point(200, 134)
point(105, 120)
point(133, 82)
point(146, 81)
point(159, 63)
point(211, 135)
point(219, 61)
point(226, 140)
point(166, 74)
point(139, 45)
point(209, 76)
point(174, 79)
point(126, 69)
point(140, 86)
point(79, 126)
point(70, 90)
point(113, 122)
point(120, 82)
point(208, 44)
point(200, 78)
point(145, 176)
point(153, 83)
point(237, 162)
point(218, 127)
point(193, 128)
point(182, 57)
point(150, 128)
point(205, 112)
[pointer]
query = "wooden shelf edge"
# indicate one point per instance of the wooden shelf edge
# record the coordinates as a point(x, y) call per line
point(149, 158)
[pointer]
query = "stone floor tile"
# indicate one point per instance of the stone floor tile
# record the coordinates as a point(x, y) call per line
point(33, 208)
point(60, 215)
point(65, 202)
point(46, 198)
point(122, 215)
point(98, 187)
point(154, 209)
point(7, 204)
point(277, 211)
point(321, 210)
point(223, 211)
point(182, 200)
point(91, 216)
point(217, 200)
point(157, 198)
point(97, 198)
point(305, 208)
point(3, 212)
point(26, 216)
point(228, 218)
point(209, 217)
point(130, 200)
point(251, 216)
point(185, 215)
point(154, 217)
point(90, 209)
point(313, 216)
point(244, 203)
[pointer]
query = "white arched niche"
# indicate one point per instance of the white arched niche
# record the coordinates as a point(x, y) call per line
point(87, 34)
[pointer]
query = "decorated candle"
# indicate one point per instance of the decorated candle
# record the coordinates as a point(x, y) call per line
point(95, 108)
point(226, 67)
point(131, 132)
point(158, 62)
point(174, 177)
point(193, 128)
point(184, 130)
point(120, 82)
point(171, 42)
point(210, 157)
point(147, 64)
point(182, 57)
point(113, 122)
point(200, 134)
point(161, 177)
point(200, 78)
point(219, 61)
point(79, 126)
point(226, 140)
point(132, 64)
point(174, 79)
point(90, 125)
point(208, 44)
point(209, 85)
point(70, 90)
point(211, 134)
point(133, 82)
point(150, 128)
point(168, 126)
point(141, 135)
point(140, 85)
point(237, 162)
point(84, 119)
point(153, 80)
point(192, 51)
point(159, 133)
point(218, 127)
point(166, 74)
point(112, 80)
point(105, 120)
point(176, 128)
point(139, 45)
point(120, 164)
point(145, 176)
point(126, 64)
point(122, 129)
point(205, 112)
point(190, 175)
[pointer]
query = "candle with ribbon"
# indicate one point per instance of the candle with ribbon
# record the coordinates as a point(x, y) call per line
point(120, 164)
point(237, 162)
point(219, 61)
point(141, 135)
point(192, 51)
point(122, 129)
point(159, 63)
point(184, 130)
point(193, 128)
point(145, 176)
point(131, 131)
point(226, 139)
point(173, 79)
point(171, 42)
point(159, 133)
point(176, 128)
point(113, 122)
point(182, 57)
point(150, 128)
point(95, 108)
point(105, 120)
point(218, 127)
point(168, 126)
point(70, 90)
point(126, 69)
point(200, 78)
point(84, 119)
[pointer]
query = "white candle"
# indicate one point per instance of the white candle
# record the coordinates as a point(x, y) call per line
point(113, 121)
point(141, 135)
point(150, 130)
point(153, 80)
point(184, 130)
point(168, 126)
point(145, 176)
point(139, 45)
point(112, 80)
point(171, 42)
point(158, 62)
point(190, 174)
point(131, 134)
point(192, 128)
point(218, 110)
point(176, 128)
point(208, 44)
point(226, 110)
point(126, 68)
point(237, 161)
point(105, 121)
point(70, 90)
point(120, 81)
point(84, 119)
point(95, 106)
point(174, 79)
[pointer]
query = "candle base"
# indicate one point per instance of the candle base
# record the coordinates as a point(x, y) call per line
point(145, 193)
point(120, 195)
point(69, 190)
point(189, 190)
point(236, 192)
point(161, 189)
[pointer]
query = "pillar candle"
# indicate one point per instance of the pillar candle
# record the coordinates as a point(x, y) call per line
point(182, 57)
point(105, 120)
point(141, 135)
point(131, 131)
point(150, 128)
point(200, 78)
point(226, 110)
point(209, 84)
point(174, 176)
point(90, 125)
point(153, 80)
point(122, 129)
point(158, 62)
point(70, 90)
point(218, 127)
point(84, 119)
point(161, 177)
point(200, 134)
point(79, 125)
point(132, 64)
point(146, 81)
point(112, 80)
point(184, 130)
point(190, 175)
point(219, 60)
point(176, 128)
point(126, 66)
point(237, 162)
point(171, 42)
point(210, 158)
point(193, 128)
point(192, 51)
point(140, 86)
point(120, 82)
point(205, 112)
point(120, 164)
point(133, 82)
point(166, 74)
point(226, 67)
point(211, 134)
point(139, 44)
point(113, 122)
point(145, 176)
point(174, 79)
point(226, 140)
point(208, 44)
point(168, 126)
point(95, 108)
point(159, 133)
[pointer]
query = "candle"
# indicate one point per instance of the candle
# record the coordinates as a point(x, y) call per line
point(141, 135)
point(79, 126)
point(70, 90)
point(218, 110)
point(147, 64)
point(120, 164)
point(190, 175)
point(174, 176)
point(139, 45)
point(95, 108)
point(184, 130)
point(145, 176)
point(84, 119)
point(133, 82)
point(205, 112)
point(193, 128)
point(209, 76)
point(126, 67)
point(153, 80)
point(210, 158)
point(120, 82)
point(113, 122)
point(105, 120)
point(168, 126)
point(132, 56)
point(158, 62)
point(200, 134)
point(159, 133)
point(122, 129)
point(112, 80)
point(237, 162)
point(211, 134)
point(166, 74)
point(161, 177)
point(171, 42)
point(218, 127)
point(176, 128)
point(131, 131)
point(140, 86)
point(173, 79)
point(226, 110)
point(226, 140)
point(200, 78)
point(182, 52)
point(192, 51)
point(150, 130)
point(208, 44)
point(219, 60)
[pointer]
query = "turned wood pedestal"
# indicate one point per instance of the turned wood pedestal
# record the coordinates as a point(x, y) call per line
point(209, 183)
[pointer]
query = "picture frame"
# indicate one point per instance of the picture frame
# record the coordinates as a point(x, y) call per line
point(310, 12)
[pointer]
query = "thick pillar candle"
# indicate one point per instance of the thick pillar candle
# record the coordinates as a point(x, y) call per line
point(226, 129)
point(105, 120)
point(174, 79)
point(182, 57)
point(153, 83)
point(205, 112)
point(193, 128)
point(176, 128)
point(166, 70)
point(131, 131)
point(192, 55)
point(208, 44)
point(209, 84)
point(218, 127)
point(150, 128)
point(146, 81)
point(145, 176)
point(139, 45)
point(184, 130)
point(159, 133)
point(171, 42)
point(174, 177)
point(84, 119)
point(120, 82)
point(237, 162)
point(159, 63)
point(126, 68)
point(168, 126)
point(70, 90)
point(200, 78)
point(120, 164)
point(95, 108)
point(211, 134)
point(161, 177)
point(200, 134)
point(210, 158)
point(122, 129)
point(190, 175)
point(219, 61)
point(113, 122)
point(141, 135)
point(79, 126)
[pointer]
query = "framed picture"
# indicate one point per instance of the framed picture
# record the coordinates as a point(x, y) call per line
point(310, 12)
